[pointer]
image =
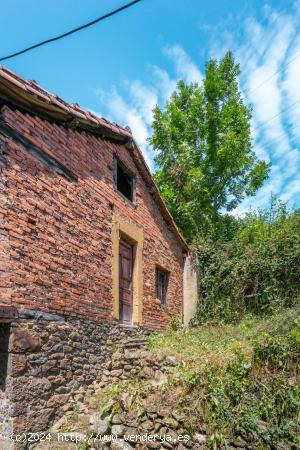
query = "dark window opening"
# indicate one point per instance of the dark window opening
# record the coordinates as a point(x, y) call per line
point(162, 281)
point(124, 181)
point(4, 339)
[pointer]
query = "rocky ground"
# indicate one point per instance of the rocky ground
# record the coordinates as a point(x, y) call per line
point(220, 388)
point(108, 409)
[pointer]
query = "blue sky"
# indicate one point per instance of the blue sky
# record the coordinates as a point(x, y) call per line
point(123, 67)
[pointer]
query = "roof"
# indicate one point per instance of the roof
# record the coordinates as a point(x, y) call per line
point(31, 97)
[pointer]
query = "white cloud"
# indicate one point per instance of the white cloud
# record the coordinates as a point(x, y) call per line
point(135, 115)
point(271, 86)
point(184, 65)
point(135, 108)
point(144, 99)
point(269, 55)
point(291, 191)
point(164, 83)
point(291, 86)
point(266, 97)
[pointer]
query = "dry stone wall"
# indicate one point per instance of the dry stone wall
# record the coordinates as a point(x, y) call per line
point(132, 418)
point(50, 359)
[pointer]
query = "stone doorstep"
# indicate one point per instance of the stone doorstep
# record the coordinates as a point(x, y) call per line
point(135, 343)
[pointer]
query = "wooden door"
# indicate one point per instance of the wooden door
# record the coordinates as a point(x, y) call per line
point(125, 282)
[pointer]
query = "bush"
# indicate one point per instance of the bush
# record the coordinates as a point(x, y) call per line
point(256, 271)
point(241, 380)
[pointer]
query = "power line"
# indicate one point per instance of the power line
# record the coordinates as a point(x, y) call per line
point(276, 115)
point(267, 142)
point(249, 91)
point(68, 33)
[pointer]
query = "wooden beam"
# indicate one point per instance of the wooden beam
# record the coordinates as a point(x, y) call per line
point(8, 312)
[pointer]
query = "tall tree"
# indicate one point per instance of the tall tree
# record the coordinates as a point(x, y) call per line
point(206, 164)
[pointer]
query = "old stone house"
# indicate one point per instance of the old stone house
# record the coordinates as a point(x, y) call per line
point(87, 248)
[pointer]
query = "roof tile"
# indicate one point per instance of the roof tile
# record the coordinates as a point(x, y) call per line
point(74, 109)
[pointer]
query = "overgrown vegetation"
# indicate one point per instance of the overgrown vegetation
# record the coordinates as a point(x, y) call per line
point(235, 384)
point(239, 362)
point(240, 381)
point(255, 270)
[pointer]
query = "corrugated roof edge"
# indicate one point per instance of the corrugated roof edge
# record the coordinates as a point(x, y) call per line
point(31, 97)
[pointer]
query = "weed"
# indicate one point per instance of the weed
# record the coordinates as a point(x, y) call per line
point(241, 379)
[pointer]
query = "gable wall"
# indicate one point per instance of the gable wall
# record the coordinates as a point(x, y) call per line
point(60, 232)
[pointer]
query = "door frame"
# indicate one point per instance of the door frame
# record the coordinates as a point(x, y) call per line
point(134, 235)
point(130, 248)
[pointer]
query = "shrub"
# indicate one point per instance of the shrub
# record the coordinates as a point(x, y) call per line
point(256, 271)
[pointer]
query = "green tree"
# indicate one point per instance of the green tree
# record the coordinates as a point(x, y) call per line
point(206, 164)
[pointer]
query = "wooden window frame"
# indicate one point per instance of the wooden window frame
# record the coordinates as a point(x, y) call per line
point(117, 162)
point(4, 353)
point(161, 288)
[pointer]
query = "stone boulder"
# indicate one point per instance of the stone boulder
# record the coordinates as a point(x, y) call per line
point(98, 425)
point(23, 341)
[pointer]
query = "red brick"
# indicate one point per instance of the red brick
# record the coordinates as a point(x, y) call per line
point(58, 233)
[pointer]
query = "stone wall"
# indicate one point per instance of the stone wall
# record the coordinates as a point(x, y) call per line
point(134, 398)
point(4, 402)
point(190, 290)
point(50, 359)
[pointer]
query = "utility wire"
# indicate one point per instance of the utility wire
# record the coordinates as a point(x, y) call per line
point(68, 33)
point(276, 115)
point(249, 91)
point(116, 11)
point(267, 142)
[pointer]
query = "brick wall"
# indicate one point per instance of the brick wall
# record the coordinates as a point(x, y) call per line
point(5, 291)
point(58, 232)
